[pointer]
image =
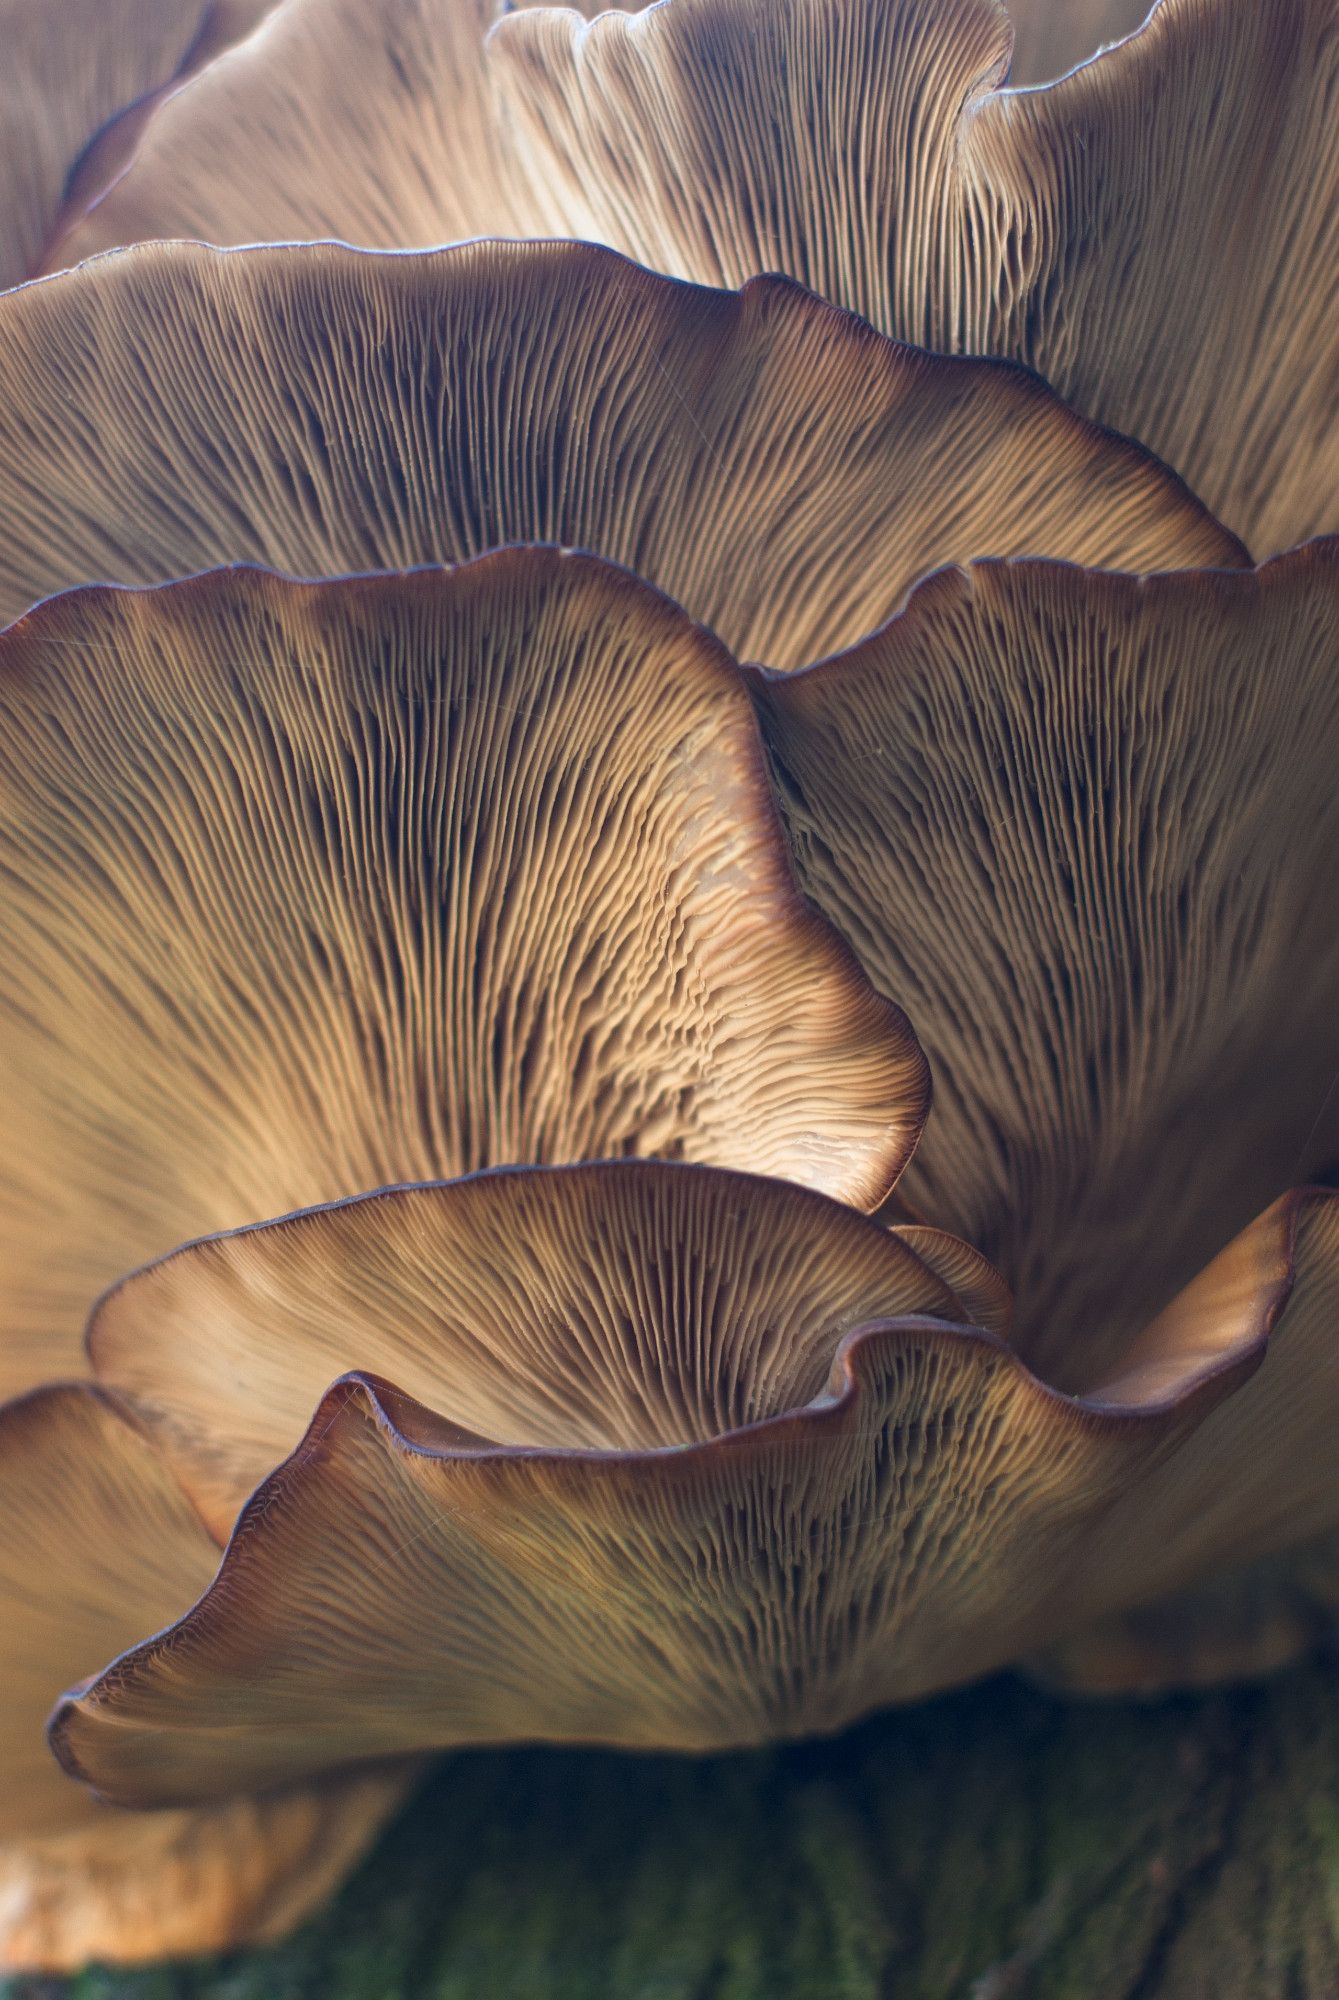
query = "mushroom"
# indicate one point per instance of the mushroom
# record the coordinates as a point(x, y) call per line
point(367, 120)
point(1083, 826)
point(309, 888)
point(639, 1454)
point(1052, 37)
point(70, 71)
point(98, 1545)
point(1157, 233)
point(774, 465)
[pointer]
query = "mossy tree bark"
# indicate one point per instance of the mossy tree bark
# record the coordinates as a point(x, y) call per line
point(995, 1845)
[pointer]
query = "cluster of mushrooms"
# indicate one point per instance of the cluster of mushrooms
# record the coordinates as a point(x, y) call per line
point(701, 793)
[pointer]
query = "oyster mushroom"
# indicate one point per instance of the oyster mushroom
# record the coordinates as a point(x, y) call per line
point(70, 70)
point(1083, 827)
point(309, 888)
point(781, 470)
point(688, 1460)
point(1052, 37)
point(1157, 234)
point(97, 1546)
point(368, 120)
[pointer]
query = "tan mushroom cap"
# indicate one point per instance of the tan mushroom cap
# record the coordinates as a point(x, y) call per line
point(309, 888)
point(1157, 234)
point(97, 1547)
point(779, 469)
point(679, 1497)
point(1051, 37)
point(369, 120)
point(588, 1308)
point(69, 67)
point(1083, 828)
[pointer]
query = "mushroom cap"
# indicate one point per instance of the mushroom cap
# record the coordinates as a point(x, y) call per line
point(98, 1546)
point(1082, 827)
point(1157, 234)
point(867, 148)
point(678, 1495)
point(778, 468)
point(69, 70)
point(1052, 37)
point(309, 888)
point(366, 120)
point(569, 1309)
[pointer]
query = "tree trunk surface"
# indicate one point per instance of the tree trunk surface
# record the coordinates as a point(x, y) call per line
point(993, 1845)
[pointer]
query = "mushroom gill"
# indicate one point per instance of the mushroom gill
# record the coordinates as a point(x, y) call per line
point(97, 1547)
point(678, 1490)
point(70, 70)
point(1082, 826)
point(309, 888)
point(1157, 233)
point(778, 468)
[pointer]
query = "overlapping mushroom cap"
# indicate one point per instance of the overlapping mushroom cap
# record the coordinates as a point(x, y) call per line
point(310, 889)
point(726, 1457)
point(100, 1545)
point(1157, 234)
point(638, 1454)
point(1083, 825)
point(779, 469)
point(78, 81)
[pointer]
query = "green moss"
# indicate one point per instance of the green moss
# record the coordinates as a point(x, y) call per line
point(995, 1845)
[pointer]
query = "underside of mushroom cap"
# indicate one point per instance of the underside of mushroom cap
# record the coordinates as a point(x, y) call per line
point(71, 68)
point(1082, 827)
point(312, 888)
point(1052, 37)
point(625, 1308)
point(1157, 234)
point(97, 1547)
point(771, 463)
point(916, 1515)
point(368, 120)
point(865, 147)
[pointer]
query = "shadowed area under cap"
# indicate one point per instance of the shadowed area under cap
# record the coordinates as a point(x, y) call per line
point(782, 471)
point(309, 888)
point(709, 1519)
point(97, 1546)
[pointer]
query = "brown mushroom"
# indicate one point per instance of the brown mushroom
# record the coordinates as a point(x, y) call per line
point(1157, 234)
point(675, 1486)
point(781, 470)
point(1052, 37)
point(97, 1547)
point(69, 69)
point(367, 120)
point(309, 888)
point(1083, 827)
